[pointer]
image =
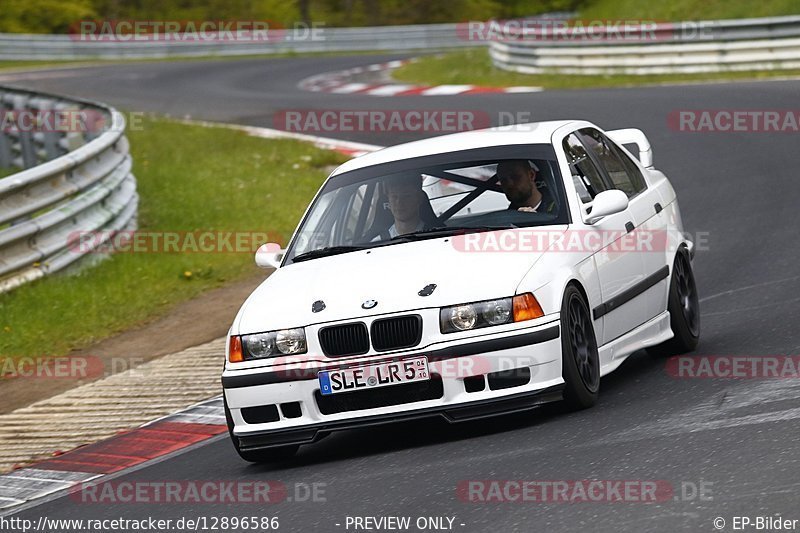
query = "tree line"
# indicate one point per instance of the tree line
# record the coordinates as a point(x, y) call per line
point(59, 16)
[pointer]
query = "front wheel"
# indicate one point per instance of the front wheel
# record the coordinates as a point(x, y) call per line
point(580, 359)
point(684, 309)
point(269, 455)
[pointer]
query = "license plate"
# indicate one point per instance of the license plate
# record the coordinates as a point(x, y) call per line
point(373, 376)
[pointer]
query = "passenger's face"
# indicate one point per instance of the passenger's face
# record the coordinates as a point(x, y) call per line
point(404, 202)
point(517, 184)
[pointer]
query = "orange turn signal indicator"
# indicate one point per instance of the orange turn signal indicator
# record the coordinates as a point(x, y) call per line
point(235, 354)
point(526, 307)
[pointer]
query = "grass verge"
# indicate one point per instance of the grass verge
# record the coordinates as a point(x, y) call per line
point(190, 178)
point(7, 171)
point(474, 67)
point(674, 10)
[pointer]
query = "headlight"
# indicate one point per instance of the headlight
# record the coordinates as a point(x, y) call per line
point(497, 311)
point(258, 345)
point(476, 315)
point(289, 341)
point(274, 343)
point(462, 317)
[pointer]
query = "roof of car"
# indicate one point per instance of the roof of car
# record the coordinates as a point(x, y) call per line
point(530, 133)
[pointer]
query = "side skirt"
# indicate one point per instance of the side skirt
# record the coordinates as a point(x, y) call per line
point(653, 332)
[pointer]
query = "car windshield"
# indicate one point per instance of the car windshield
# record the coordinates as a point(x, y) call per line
point(433, 196)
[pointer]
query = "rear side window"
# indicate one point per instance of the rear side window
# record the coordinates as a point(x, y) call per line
point(622, 172)
point(585, 174)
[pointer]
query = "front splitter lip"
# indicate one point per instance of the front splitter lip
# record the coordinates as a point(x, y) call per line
point(268, 377)
point(453, 414)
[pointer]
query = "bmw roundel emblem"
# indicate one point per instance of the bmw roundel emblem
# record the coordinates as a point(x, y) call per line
point(369, 304)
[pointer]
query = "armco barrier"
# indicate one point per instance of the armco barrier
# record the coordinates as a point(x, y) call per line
point(73, 181)
point(689, 47)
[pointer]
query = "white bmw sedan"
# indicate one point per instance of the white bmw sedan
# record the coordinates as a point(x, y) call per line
point(462, 276)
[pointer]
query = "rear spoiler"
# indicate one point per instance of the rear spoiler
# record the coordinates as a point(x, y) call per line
point(637, 137)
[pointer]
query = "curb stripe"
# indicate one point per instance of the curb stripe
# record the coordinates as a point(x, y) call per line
point(341, 82)
point(350, 88)
point(413, 92)
point(132, 448)
point(389, 90)
point(447, 89)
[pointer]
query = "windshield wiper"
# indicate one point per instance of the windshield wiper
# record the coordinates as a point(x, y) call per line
point(326, 251)
point(432, 233)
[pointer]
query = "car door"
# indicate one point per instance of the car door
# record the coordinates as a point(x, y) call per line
point(649, 236)
point(618, 269)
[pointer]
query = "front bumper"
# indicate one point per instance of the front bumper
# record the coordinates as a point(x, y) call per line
point(531, 356)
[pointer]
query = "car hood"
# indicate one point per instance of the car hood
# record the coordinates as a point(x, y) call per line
point(391, 275)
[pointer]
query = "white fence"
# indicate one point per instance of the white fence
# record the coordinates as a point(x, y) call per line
point(74, 183)
point(696, 47)
point(320, 39)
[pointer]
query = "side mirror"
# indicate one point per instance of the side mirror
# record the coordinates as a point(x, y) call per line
point(269, 255)
point(607, 203)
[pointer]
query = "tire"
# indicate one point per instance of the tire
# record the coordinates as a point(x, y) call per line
point(579, 356)
point(269, 455)
point(684, 309)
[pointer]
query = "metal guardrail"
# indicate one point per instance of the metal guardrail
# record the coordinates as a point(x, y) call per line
point(74, 183)
point(697, 47)
point(390, 38)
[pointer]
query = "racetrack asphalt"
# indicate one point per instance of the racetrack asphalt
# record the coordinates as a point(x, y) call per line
point(739, 196)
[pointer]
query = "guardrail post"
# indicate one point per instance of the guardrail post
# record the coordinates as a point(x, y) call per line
point(5, 148)
point(25, 136)
point(51, 134)
point(5, 141)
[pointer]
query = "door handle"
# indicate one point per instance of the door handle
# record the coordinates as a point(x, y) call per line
point(658, 207)
point(629, 226)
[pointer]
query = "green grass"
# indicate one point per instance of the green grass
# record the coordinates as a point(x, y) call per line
point(190, 178)
point(676, 10)
point(474, 67)
point(7, 171)
point(13, 65)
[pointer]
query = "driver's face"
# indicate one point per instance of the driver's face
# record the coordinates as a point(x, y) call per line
point(404, 203)
point(517, 184)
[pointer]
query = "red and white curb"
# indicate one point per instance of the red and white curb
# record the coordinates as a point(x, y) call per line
point(172, 433)
point(342, 82)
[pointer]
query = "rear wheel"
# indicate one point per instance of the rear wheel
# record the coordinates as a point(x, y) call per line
point(580, 359)
point(684, 309)
point(270, 455)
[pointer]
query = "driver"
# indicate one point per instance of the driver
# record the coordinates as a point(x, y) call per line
point(406, 199)
point(517, 178)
